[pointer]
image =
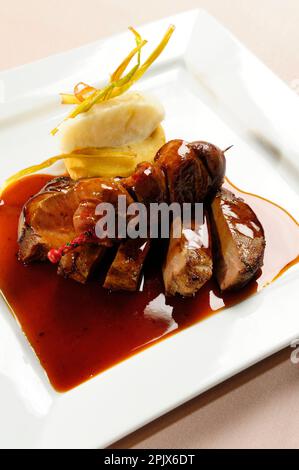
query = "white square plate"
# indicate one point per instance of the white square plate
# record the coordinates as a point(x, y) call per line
point(212, 89)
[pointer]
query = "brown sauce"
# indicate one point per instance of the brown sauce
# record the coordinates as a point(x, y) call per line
point(79, 331)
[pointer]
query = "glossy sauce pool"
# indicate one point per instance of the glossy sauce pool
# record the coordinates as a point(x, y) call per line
point(79, 331)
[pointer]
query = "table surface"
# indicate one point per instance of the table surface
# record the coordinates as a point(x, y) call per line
point(259, 408)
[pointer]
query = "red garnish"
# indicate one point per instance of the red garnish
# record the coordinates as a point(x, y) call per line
point(55, 254)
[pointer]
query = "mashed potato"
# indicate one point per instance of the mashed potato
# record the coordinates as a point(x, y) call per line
point(126, 119)
point(130, 123)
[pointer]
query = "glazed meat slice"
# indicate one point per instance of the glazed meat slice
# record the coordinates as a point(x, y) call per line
point(147, 185)
point(80, 263)
point(50, 219)
point(188, 263)
point(124, 273)
point(239, 241)
point(91, 192)
point(44, 224)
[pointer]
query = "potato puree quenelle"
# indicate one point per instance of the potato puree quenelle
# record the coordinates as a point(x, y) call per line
point(130, 123)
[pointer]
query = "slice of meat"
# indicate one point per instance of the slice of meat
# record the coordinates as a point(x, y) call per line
point(124, 272)
point(79, 263)
point(187, 177)
point(147, 185)
point(188, 263)
point(42, 224)
point(239, 241)
point(47, 220)
point(93, 191)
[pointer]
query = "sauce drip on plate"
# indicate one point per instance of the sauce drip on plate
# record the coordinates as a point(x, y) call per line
point(79, 331)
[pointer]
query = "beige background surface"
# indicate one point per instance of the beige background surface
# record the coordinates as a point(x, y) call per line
point(260, 407)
